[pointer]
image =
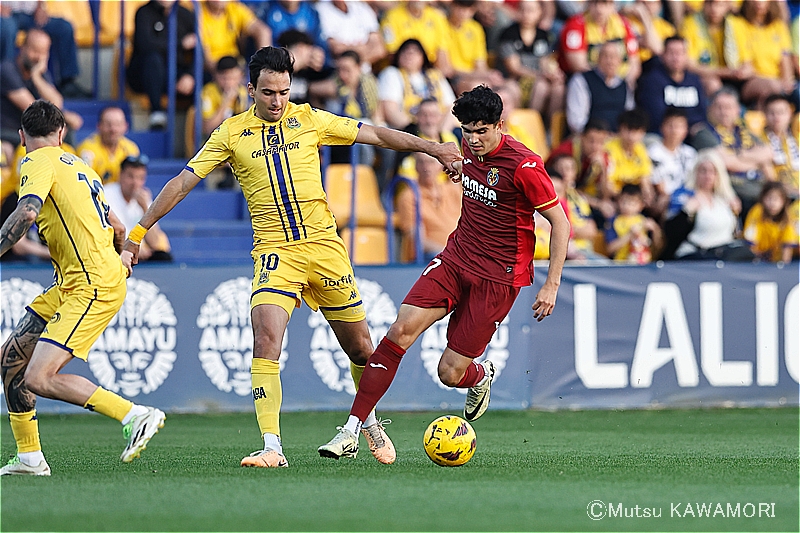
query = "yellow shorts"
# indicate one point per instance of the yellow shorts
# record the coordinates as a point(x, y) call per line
point(76, 317)
point(319, 271)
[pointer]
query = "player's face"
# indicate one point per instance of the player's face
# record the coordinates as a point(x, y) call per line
point(271, 94)
point(482, 138)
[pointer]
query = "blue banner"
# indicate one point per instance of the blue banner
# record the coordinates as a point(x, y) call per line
point(675, 335)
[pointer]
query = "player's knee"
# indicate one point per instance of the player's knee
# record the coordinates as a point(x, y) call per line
point(267, 344)
point(449, 375)
point(36, 382)
point(401, 334)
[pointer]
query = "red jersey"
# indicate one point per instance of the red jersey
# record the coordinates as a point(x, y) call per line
point(494, 238)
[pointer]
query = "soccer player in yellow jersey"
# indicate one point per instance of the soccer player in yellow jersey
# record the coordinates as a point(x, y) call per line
point(64, 196)
point(273, 148)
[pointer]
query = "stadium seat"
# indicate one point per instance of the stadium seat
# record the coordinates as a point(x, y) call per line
point(371, 246)
point(558, 128)
point(110, 19)
point(77, 13)
point(339, 187)
point(202, 204)
point(531, 121)
point(755, 121)
point(152, 143)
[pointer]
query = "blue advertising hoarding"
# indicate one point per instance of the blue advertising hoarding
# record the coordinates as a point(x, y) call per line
point(671, 335)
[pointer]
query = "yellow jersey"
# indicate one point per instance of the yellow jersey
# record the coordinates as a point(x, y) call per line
point(430, 29)
point(220, 34)
point(627, 167)
point(277, 165)
point(73, 221)
point(211, 100)
point(766, 237)
point(765, 45)
point(103, 161)
point(663, 29)
point(466, 46)
point(704, 45)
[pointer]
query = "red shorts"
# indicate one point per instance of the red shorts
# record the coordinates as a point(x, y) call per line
point(478, 305)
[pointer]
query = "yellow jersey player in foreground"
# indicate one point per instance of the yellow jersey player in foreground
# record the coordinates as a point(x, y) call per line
point(64, 196)
point(273, 148)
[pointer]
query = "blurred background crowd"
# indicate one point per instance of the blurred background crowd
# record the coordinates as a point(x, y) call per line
point(670, 127)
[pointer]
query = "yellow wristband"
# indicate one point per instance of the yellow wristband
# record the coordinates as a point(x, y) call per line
point(137, 234)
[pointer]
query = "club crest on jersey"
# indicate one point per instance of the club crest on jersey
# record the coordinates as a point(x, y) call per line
point(493, 176)
point(292, 123)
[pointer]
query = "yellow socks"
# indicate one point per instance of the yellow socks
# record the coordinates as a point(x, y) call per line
point(25, 428)
point(267, 394)
point(109, 404)
point(356, 371)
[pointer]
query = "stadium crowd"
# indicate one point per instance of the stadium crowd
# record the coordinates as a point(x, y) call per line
point(670, 127)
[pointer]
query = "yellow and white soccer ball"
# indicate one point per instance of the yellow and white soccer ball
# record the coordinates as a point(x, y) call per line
point(449, 441)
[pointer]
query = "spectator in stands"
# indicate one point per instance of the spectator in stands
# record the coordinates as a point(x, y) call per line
point(644, 17)
point(63, 60)
point(583, 36)
point(225, 96)
point(148, 66)
point(428, 124)
point(494, 18)
point(768, 229)
point(766, 35)
point(628, 159)
point(349, 25)
point(588, 151)
point(24, 80)
point(510, 95)
point(466, 43)
point(353, 93)
point(526, 55)
point(284, 15)
point(632, 237)
point(223, 24)
point(778, 136)
point(705, 33)
point(129, 199)
point(672, 159)
point(704, 220)
point(669, 84)
point(408, 81)
point(439, 209)
point(105, 150)
point(579, 212)
point(422, 22)
point(599, 93)
point(309, 67)
point(744, 156)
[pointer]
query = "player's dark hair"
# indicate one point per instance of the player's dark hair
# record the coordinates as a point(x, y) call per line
point(42, 119)
point(634, 119)
point(426, 63)
point(352, 54)
point(596, 124)
point(480, 104)
point(270, 58)
point(778, 98)
point(631, 189)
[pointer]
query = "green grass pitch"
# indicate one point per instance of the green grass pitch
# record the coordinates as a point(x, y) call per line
point(533, 471)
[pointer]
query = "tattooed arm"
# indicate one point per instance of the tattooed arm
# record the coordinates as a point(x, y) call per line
point(20, 221)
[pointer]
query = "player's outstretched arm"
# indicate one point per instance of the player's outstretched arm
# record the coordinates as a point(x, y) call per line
point(19, 222)
point(448, 154)
point(559, 241)
point(173, 192)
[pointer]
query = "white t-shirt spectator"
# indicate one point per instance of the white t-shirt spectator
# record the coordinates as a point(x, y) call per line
point(128, 212)
point(352, 27)
point(670, 168)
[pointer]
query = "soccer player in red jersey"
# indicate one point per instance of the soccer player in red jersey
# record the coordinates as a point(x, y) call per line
point(478, 275)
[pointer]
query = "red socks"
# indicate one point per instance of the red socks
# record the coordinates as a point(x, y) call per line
point(378, 375)
point(474, 374)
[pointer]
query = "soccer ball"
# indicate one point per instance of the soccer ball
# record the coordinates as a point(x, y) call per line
point(449, 441)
